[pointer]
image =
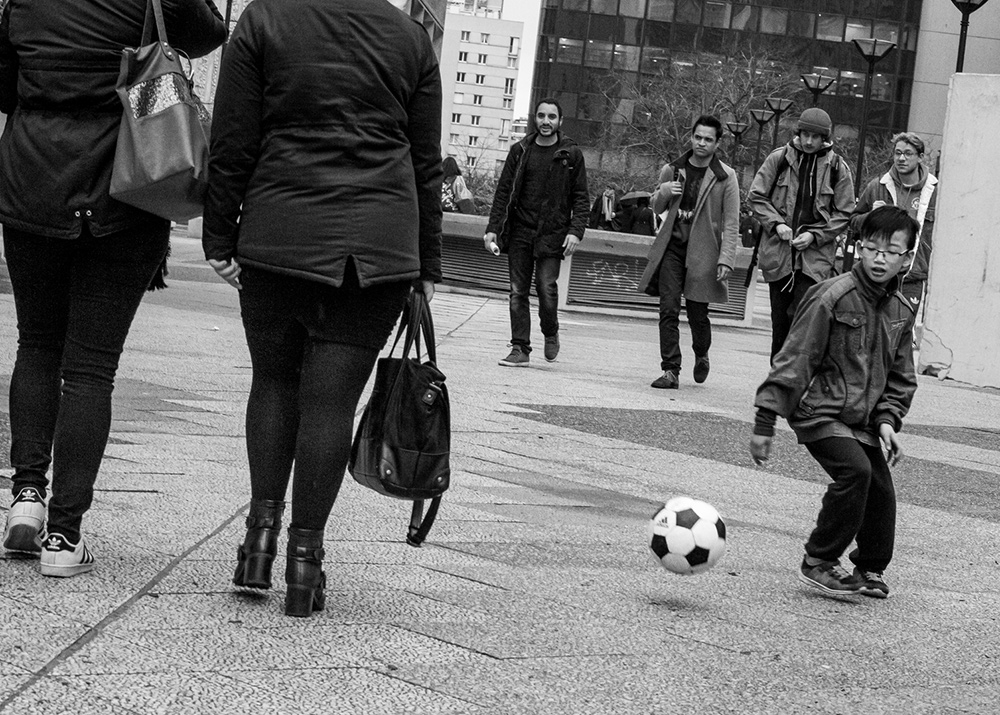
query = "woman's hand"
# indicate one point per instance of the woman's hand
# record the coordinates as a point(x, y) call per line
point(229, 271)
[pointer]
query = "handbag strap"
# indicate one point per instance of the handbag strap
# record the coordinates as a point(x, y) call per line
point(154, 8)
point(416, 321)
point(419, 527)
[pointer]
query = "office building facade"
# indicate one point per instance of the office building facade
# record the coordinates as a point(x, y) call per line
point(582, 42)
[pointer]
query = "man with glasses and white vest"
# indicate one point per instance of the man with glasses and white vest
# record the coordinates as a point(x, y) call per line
point(910, 186)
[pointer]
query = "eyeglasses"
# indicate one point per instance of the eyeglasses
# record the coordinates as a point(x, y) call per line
point(907, 154)
point(887, 254)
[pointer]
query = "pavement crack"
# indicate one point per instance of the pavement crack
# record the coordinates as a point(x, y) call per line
point(115, 615)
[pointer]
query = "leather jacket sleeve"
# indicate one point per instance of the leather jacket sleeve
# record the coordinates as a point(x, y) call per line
point(502, 195)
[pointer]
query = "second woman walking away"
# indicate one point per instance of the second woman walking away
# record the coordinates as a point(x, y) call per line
point(324, 208)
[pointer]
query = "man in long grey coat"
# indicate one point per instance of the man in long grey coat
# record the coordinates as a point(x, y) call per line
point(695, 248)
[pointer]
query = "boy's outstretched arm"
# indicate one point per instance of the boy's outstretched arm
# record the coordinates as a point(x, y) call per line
point(763, 433)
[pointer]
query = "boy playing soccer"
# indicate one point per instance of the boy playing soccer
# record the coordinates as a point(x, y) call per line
point(844, 380)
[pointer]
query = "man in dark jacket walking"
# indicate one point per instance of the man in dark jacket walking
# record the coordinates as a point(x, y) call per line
point(539, 214)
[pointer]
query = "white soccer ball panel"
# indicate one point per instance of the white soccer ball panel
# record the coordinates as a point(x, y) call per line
point(705, 511)
point(705, 534)
point(679, 504)
point(677, 564)
point(680, 541)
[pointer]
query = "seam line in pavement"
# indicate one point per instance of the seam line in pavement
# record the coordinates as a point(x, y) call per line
point(97, 629)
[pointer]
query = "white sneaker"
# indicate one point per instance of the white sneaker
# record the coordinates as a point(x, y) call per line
point(25, 522)
point(61, 558)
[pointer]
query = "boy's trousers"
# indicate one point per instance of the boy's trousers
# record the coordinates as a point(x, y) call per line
point(860, 504)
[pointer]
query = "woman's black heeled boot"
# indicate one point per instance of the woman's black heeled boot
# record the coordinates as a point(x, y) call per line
point(256, 554)
point(304, 573)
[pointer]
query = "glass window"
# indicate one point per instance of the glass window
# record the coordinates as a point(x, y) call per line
point(599, 54)
point(575, 5)
point(603, 27)
point(606, 7)
point(474, 120)
point(717, 14)
point(480, 79)
point(470, 161)
point(482, 59)
point(460, 77)
point(851, 84)
point(512, 62)
point(654, 59)
point(515, 46)
point(882, 86)
point(689, 11)
point(801, 24)
point(465, 35)
point(504, 127)
point(829, 27)
point(857, 29)
point(508, 103)
point(661, 10)
point(632, 8)
point(570, 51)
point(508, 85)
point(773, 21)
point(484, 38)
point(453, 138)
point(463, 56)
point(456, 118)
point(887, 31)
point(590, 106)
point(477, 99)
point(626, 57)
point(909, 38)
point(657, 34)
point(745, 18)
point(473, 141)
point(629, 31)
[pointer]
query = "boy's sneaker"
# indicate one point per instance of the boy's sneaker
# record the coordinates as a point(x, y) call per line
point(666, 381)
point(61, 558)
point(874, 583)
point(517, 358)
point(25, 521)
point(831, 578)
point(551, 347)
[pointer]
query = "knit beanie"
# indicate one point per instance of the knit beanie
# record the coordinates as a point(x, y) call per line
point(817, 121)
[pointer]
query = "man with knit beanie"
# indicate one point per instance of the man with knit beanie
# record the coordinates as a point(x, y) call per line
point(910, 186)
point(803, 196)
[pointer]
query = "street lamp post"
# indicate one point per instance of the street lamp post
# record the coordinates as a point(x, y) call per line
point(762, 117)
point(817, 84)
point(872, 50)
point(737, 129)
point(779, 106)
point(966, 7)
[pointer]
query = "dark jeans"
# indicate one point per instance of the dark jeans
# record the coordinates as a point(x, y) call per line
point(860, 504)
point(75, 301)
point(784, 302)
point(522, 263)
point(671, 285)
point(312, 350)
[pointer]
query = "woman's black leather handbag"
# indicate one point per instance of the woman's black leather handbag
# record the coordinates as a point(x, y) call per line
point(403, 443)
point(161, 161)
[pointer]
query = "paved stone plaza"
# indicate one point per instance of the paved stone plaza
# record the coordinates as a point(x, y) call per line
point(536, 592)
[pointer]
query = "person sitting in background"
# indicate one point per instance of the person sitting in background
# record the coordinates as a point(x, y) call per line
point(641, 220)
point(455, 195)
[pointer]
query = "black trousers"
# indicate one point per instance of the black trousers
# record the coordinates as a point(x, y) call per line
point(522, 263)
point(859, 505)
point(75, 301)
point(785, 301)
point(312, 350)
point(670, 282)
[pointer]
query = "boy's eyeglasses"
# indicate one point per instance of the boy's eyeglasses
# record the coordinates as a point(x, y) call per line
point(887, 254)
point(907, 154)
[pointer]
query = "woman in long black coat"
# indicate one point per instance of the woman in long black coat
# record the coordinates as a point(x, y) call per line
point(324, 207)
point(79, 261)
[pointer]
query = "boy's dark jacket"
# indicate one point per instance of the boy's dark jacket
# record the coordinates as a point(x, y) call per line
point(848, 360)
point(565, 208)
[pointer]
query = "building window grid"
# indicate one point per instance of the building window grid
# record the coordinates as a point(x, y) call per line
point(737, 16)
point(508, 103)
point(456, 118)
point(508, 86)
point(460, 77)
point(484, 38)
point(463, 56)
point(473, 140)
point(482, 59)
point(480, 79)
point(477, 99)
point(474, 120)
point(465, 35)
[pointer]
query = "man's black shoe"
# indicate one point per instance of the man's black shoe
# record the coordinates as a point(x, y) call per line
point(701, 367)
